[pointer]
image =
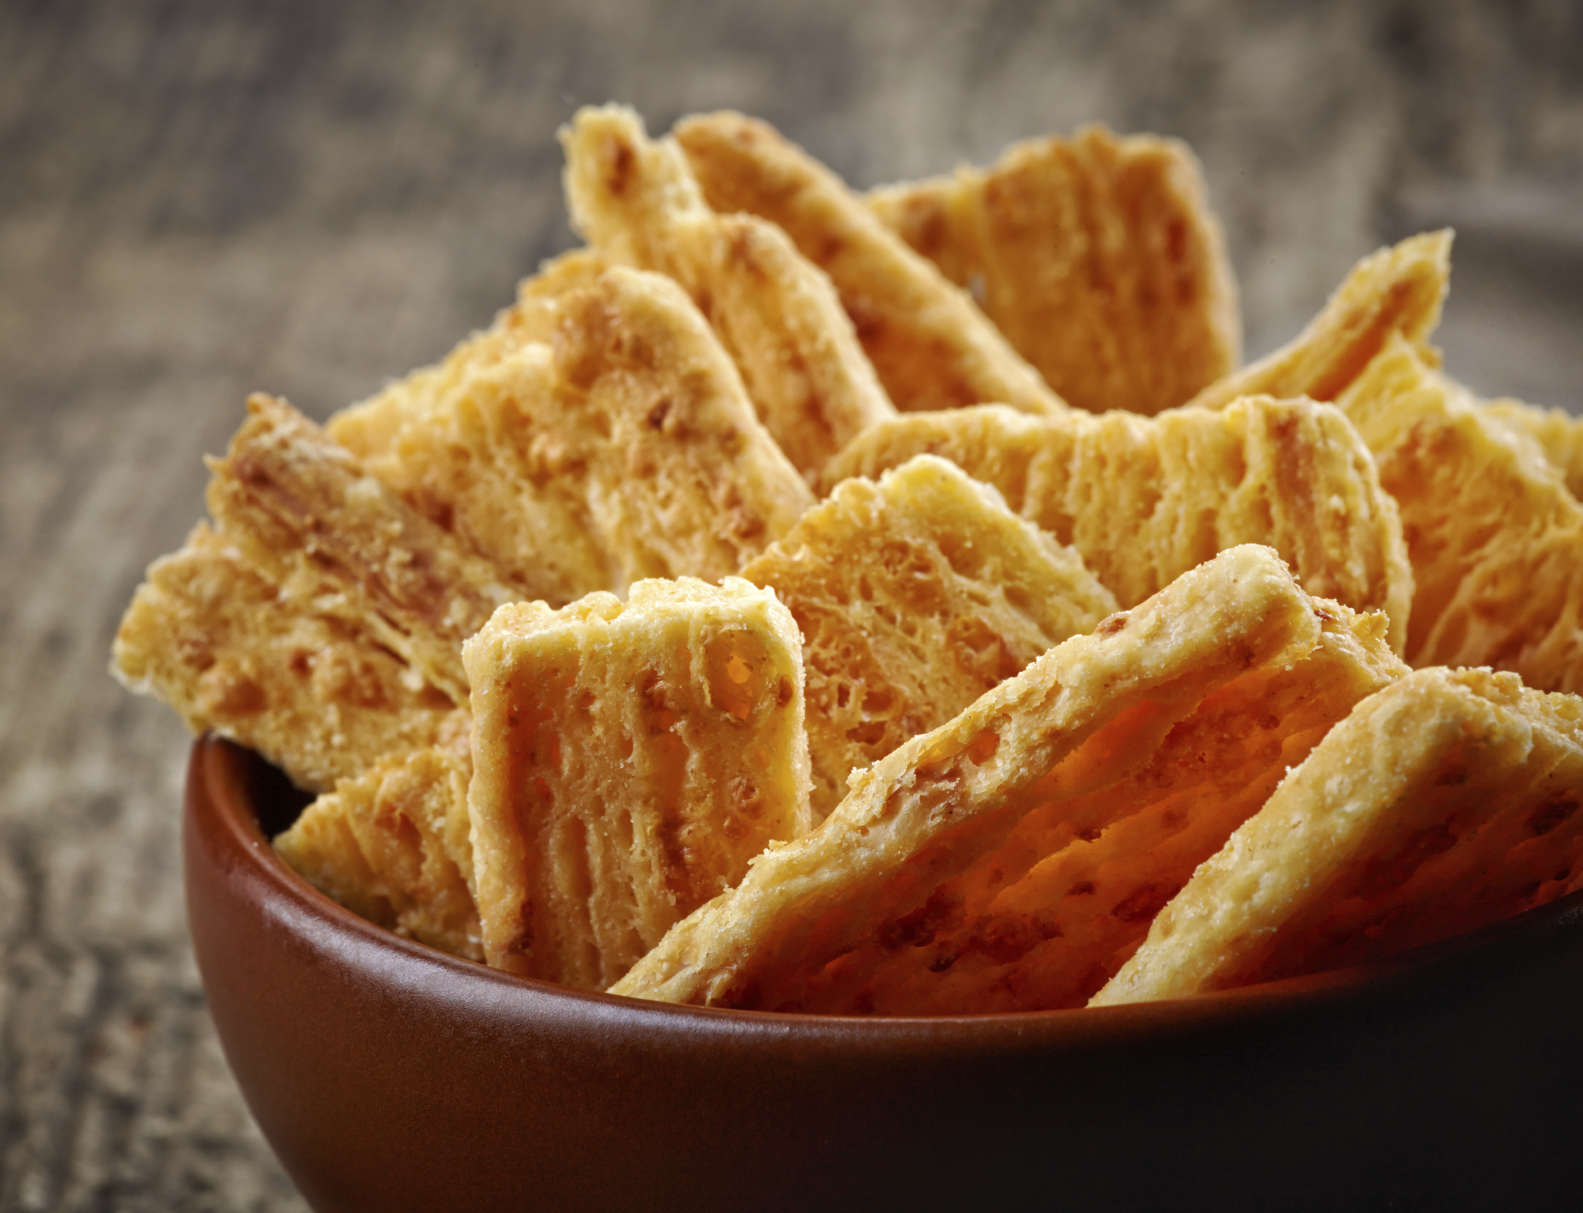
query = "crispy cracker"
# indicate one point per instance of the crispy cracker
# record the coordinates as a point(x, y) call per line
point(626, 449)
point(1558, 433)
point(776, 314)
point(681, 477)
point(1442, 804)
point(877, 877)
point(914, 597)
point(302, 509)
point(501, 464)
point(932, 347)
point(1145, 499)
point(1097, 257)
point(1396, 290)
point(368, 429)
point(1493, 534)
point(210, 635)
point(392, 846)
point(628, 762)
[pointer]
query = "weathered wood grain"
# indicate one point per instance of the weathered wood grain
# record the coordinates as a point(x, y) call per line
point(201, 200)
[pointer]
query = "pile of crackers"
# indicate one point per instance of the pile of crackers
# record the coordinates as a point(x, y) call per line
point(903, 604)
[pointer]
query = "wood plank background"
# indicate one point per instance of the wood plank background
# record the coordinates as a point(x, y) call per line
point(198, 200)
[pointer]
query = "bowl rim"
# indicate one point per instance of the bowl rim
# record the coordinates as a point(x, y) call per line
point(225, 785)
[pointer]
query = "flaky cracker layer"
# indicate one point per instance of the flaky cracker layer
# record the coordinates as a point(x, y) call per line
point(212, 636)
point(1445, 802)
point(1493, 534)
point(776, 313)
point(1144, 499)
point(629, 760)
point(1084, 716)
point(1096, 256)
point(915, 595)
point(1395, 291)
point(928, 341)
point(391, 845)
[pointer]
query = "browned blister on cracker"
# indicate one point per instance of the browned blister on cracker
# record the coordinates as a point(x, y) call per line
point(928, 341)
point(211, 636)
point(1445, 802)
point(1494, 536)
point(1396, 291)
point(1145, 499)
point(775, 313)
point(629, 760)
point(1056, 756)
point(915, 595)
point(1096, 256)
point(391, 845)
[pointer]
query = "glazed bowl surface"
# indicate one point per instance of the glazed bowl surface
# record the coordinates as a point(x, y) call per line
point(388, 1076)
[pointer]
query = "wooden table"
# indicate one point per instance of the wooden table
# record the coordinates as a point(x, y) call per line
point(200, 200)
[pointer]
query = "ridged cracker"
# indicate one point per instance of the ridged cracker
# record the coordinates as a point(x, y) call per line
point(1397, 290)
point(914, 596)
point(1144, 499)
point(629, 760)
point(929, 343)
point(1493, 534)
point(304, 511)
point(210, 635)
point(1096, 256)
point(626, 449)
point(1558, 433)
point(1443, 803)
point(391, 845)
point(776, 314)
point(1084, 717)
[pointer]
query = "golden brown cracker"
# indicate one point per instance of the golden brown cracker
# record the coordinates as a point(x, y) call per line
point(627, 448)
point(303, 510)
point(1558, 433)
point(914, 596)
point(681, 478)
point(629, 760)
point(211, 636)
point(369, 428)
point(1145, 499)
point(1493, 534)
point(1085, 716)
point(1096, 256)
point(1045, 919)
point(1397, 290)
point(929, 343)
point(1443, 803)
point(391, 845)
point(776, 314)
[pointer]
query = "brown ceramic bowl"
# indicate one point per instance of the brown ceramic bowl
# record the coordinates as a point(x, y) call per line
point(388, 1076)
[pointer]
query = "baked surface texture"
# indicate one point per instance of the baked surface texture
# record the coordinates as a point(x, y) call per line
point(914, 596)
point(1445, 802)
point(625, 448)
point(873, 911)
point(211, 636)
point(1144, 499)
point(1096, 256)
point(1492, 531)
point(777, 314)
point(391, 844)
point(929, 343)
point(629, 760)
point(1397, 290)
